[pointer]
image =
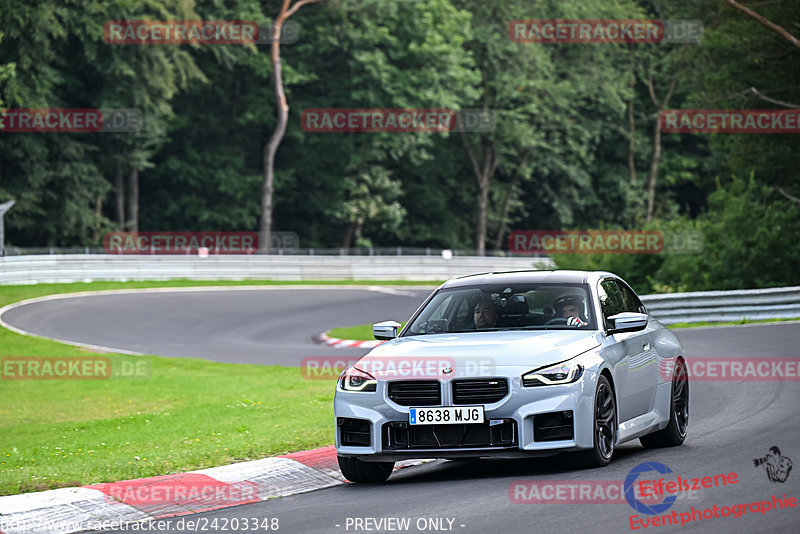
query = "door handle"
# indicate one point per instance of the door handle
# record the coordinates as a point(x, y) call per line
point(646, 346)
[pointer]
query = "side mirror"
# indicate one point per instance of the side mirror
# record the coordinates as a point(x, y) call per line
point(385, 330)
point(627, 322)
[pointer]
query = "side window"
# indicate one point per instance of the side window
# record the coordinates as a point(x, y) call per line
point(630, 301)
point(611, 300)
point(438, 313)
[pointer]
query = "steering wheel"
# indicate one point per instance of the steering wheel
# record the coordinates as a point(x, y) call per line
point(557, 321)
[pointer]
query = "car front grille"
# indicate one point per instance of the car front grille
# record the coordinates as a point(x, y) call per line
point(479, 391)
point(416, 392)
point(400, 435)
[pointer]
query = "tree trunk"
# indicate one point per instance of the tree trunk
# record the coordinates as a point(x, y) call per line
point(348, 235)
point(632, 137)
point(656, 158)
point(483, 174)
point(271, 148)
point(480, 227)
point(764, 22)
point(119, 185)
point(651, 180)
point(99, 212)
point(498, 242)
point(133, 200)
point(358, 234)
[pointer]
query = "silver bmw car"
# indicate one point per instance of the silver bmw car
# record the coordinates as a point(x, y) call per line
point(514, 364)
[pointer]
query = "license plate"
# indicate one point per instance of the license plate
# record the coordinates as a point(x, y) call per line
point(448, 415)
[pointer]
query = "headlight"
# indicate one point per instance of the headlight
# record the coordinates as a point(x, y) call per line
point(354, 379)
point(560, 373)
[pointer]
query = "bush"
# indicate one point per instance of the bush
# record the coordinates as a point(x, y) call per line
point(750, 241)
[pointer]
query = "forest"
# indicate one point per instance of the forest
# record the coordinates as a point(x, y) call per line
point(575, 143)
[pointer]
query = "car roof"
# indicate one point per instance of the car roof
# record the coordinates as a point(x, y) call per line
point(529, 276)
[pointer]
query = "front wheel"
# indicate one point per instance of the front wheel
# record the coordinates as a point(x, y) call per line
point(604, 429)
point(355, 470)
point(675, 432)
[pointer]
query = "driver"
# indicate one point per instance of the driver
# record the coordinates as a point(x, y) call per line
point(485, 313)
point(570, 307)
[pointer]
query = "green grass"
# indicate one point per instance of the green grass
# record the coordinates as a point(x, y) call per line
point(186, 414)
point(730, 323)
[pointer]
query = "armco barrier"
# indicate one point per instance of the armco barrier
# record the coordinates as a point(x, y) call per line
point(85, 268)
point(734, 305)
point(669, 308)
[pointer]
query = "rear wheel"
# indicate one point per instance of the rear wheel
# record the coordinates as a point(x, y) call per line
point(355, 470)
point(605, 427)
point(675, 432)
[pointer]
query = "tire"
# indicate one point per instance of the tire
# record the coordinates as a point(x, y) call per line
point(675, 431)
point(604, 427)
point(355, 470)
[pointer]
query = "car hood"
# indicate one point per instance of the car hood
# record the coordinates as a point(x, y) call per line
point(475, 353)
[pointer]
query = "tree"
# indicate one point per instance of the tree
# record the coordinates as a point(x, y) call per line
point(372, 55)
point(764, 22)
point(271, 148)
point(60, 179)
point(554, 104)
point(741, 65)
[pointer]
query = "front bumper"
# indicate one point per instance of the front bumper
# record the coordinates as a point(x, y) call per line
point(528, 421)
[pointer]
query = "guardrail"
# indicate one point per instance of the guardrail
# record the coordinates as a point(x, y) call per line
point(734, 305)
point(86, 268)
point(751, 304)
point(11, 250)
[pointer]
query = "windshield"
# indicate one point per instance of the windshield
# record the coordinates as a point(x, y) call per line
point(514, 307)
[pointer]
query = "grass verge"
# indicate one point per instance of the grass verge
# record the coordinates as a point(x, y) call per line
point(730, 323)
point(175, 414)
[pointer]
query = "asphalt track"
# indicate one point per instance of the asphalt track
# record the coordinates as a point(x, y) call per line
point(266, 326)
point(731, 423)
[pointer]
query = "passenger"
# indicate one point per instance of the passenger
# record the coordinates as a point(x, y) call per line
point(571, 308)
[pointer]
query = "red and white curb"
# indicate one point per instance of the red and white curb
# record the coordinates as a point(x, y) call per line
point(342, 343)
point(67, 510)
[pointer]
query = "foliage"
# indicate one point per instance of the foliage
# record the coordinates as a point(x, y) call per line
point(560, 145)
point(748, 233)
